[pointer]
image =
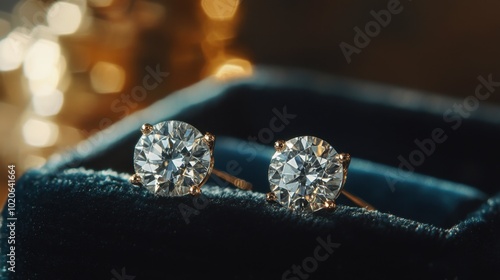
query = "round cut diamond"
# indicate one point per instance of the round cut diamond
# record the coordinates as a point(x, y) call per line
point(305, 174)
point(172, 158)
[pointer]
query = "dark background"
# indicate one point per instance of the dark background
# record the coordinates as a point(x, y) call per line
point(438, 46)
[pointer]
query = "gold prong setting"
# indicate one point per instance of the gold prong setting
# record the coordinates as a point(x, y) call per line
point(279, 145)
point(344, 159)
point(209, 138)
point(330, 204)
point(195, 190)
point(135, 180)
point(271, 197)
point(147, 128)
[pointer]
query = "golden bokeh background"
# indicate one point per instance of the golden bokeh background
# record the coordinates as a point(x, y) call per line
point(71, 68)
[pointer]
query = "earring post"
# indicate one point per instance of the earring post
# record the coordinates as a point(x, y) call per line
point(237, 182)
point(358, 201)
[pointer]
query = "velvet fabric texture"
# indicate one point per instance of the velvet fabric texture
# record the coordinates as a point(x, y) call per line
point(438, 209)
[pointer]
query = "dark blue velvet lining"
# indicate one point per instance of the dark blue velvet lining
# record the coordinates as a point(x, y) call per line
point(81, 224)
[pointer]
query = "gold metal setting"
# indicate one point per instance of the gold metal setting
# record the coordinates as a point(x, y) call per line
point(210, 139)
point(210, 170)
point(330, 204)
point(345, 160)
point(270, 196)
point(237, 182)
point(195, 190)
point(146, 128)
point(135, 180)
point(358, 201)
point(279, 145)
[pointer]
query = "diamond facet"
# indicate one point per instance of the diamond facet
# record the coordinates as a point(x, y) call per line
point(172, 158)
point(306, 175)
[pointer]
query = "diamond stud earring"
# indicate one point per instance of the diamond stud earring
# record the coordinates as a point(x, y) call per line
point(307, 174)
point(173, 158)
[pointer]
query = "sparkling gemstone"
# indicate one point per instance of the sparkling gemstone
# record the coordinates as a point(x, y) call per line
point(172, 158)
point(305, 174)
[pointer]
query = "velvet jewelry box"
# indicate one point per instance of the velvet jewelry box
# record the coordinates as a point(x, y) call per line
point(429, 169)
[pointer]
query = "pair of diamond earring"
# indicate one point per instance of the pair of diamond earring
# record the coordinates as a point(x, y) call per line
point(306, 174)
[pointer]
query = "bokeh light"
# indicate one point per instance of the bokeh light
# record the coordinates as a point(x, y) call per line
point(234, 68)
point(49, 104)
point(64, 18)
point(220, 9)
point(12, 49)
point(41, 58)
point(107, 77)
point(40, 133)
point(46, 85)
point(55, 55)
